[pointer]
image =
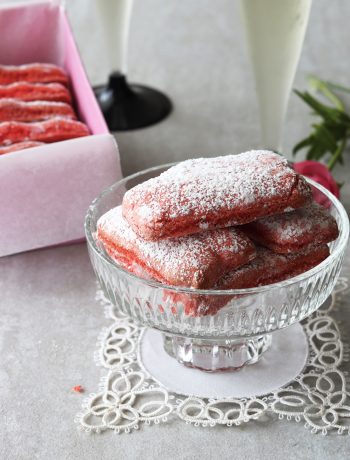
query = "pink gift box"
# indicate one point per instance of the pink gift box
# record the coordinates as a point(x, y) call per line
point(45, 191)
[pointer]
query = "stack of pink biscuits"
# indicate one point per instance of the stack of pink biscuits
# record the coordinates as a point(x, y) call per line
point(231, 222)
point(36, 107)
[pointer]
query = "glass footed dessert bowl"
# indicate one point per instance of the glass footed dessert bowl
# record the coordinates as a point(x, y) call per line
point(242, 328)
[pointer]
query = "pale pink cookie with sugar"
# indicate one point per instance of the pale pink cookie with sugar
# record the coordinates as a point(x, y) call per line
point(269, 267)
point(266, 268)
point(196, 261)
point(294, 231)
point(207, 193)
point(19, 146)
point(53, 130)
point(34, 73)
point(15, 110)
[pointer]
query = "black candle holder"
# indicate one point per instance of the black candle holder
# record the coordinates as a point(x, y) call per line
point(131, 106)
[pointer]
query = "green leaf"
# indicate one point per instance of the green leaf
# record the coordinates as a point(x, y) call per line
point(326, 112)
point(315, 152)
point(329, 135)
point(338, 87)
point(302, 144)
point(336, 155)
point(325, 137)
point(324, 88)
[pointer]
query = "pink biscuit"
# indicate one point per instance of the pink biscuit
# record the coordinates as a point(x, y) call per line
point(53, 130)
point(207, 193)
point(196, 261)
point(267, 268)
point(34, 73)
point(294, 231)
point(14, 110)
point(19, 146)
point(24, 91)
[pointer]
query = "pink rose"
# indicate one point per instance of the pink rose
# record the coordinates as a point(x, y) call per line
point(320, 174)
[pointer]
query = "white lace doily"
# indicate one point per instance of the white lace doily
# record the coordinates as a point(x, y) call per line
point(130, 397)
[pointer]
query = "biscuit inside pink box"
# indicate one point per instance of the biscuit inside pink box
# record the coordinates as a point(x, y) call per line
point(45, 191)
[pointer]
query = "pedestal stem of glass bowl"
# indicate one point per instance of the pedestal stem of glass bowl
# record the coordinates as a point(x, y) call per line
point(212, 356)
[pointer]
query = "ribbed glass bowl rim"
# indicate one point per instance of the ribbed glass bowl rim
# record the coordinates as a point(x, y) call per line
point(340, 245)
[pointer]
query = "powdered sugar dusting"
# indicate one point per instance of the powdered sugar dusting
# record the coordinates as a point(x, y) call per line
point(269, 267)
point(204, 190)
point(145, 212)
point(203, 225)
point(193, 261)
point(311, 224)
point(4, 101)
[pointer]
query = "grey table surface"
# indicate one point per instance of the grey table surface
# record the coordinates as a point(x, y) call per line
point(49, 323)
point(49, 320)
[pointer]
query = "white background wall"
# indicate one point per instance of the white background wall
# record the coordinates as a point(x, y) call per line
point(195, 51)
